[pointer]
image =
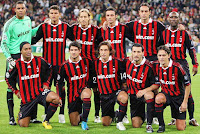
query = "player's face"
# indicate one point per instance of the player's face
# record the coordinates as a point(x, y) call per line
point(111, 17)
point(137, 54)
point(173, 20)
point(74, 52)
point(20, 11)
point(163, 57)
point(104, 52)
point(84, 19)
point(26, 51)
point(144, 12)
point(54, 15)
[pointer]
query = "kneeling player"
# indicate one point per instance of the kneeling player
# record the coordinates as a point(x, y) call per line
point(140, 82)
point(108, 71)
point(175, 86)
point(34, 74)
point(76, 71)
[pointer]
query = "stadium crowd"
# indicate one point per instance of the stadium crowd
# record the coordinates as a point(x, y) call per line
point(127, 11)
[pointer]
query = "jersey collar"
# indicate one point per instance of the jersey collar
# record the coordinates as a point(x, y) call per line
point(150, 21)
point(170, 64)
point(59, 22)
point(70, 61)
point(141, 63)
point(22, 59)
point(170, 29)
point(109, 59)
point(89, 26)
point(116, 24)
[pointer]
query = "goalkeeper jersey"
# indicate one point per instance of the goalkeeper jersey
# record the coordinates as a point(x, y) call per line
point(15, 32)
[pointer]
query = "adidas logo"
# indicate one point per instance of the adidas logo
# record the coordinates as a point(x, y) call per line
point(84, 33)
point(173, 35)
point(111, 31)
point(104, 66)
point(54, 30)
point(29, 66)
point(144, 28)
point(77, 67)
point(135, 70)
point(165, 73)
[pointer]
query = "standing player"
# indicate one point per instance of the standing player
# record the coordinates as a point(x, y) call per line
point(140, 82)
point(54, 36)
point(108, 71)
point(115, 33)
point(89, 37)
point(33, 74)
point(76, 71)
point(16, 30)
point(175, 86)
point(178, 41)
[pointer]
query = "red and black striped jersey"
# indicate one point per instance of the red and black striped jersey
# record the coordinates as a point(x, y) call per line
point(108, 75)
point(178, 41)
point(78, 76)
point(172, 79)
point(31, 77)
point(146, 34)
point(89, 39)
point(139, 77)
point(116, 36)
point(54, 41)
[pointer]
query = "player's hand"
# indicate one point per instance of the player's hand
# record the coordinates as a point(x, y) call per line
point(105, 25)
point(181, 27)
point(194, 71)
point(60, 103)
point(183, 107)
point(140, 93)
point(11, 62)
point(18, 95)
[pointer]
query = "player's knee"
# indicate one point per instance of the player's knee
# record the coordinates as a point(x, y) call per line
point(55, 99)
point(74, 123)
point(180, 127)
point(159, 99)
point(105, 123)
point(136, 125)
point(149, 95)
point(21, 124)
point(123, 97)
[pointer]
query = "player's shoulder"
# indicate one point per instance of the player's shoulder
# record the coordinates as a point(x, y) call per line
point(10, 22)
point(27, 18)
point(176, 64)
point(72, 25)
point(148, 63)
point(154, 63)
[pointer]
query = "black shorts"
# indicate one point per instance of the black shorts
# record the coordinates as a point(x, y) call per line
point(137, 106)
point(107, 103)
point(175, 102)
point(75, 106)
point(54, 76)
point(27, 109)
point(152, 58)
point(185, 66)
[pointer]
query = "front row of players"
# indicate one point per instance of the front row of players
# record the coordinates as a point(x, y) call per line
point(115, 79)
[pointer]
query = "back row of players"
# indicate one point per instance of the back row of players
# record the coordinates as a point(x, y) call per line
point(146, 31)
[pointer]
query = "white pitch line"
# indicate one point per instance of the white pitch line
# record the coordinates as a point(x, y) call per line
point(2, 80)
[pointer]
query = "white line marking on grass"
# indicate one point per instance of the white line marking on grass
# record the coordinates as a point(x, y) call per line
point(2, 80)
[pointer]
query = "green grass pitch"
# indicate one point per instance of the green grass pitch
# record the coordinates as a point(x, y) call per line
point(58, 128)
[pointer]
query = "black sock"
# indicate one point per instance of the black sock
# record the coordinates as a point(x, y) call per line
point(97, 103)
point(159, 112)
point(150, 110)
point(191, 106)
point(62, 109)
point(122, 111)
point(46, 108)
point(86, 108)
point(51, 110)
point(10, 104)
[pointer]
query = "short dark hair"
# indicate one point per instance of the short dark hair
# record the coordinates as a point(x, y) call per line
point(165, 48)
point(144, 4)
point(75, 44)
point(55, 7)
point(111, 9)
point(19, 2)
point(112, 52)
point(137, 45)
point(22, 44)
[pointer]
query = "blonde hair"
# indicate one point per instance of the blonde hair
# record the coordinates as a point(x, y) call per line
point(84, 10)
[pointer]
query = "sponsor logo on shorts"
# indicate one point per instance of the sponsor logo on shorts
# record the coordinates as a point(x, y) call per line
point(45, 91)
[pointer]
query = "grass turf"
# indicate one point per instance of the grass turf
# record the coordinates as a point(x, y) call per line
point(5, 128)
